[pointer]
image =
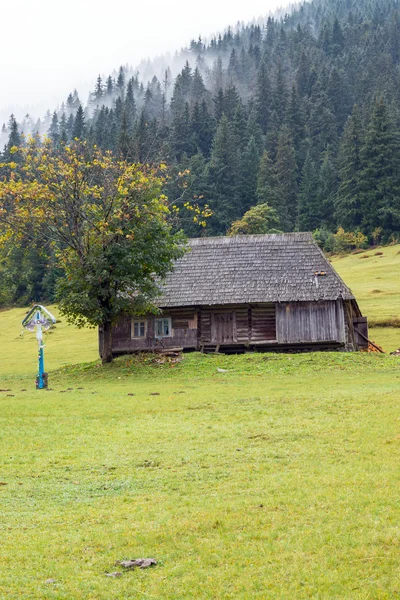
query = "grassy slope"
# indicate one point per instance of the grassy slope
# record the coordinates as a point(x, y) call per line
point(277, 479)
point(64, 345)
point(375, 281)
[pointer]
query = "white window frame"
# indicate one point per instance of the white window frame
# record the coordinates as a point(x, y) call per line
point(162, 319)
point(138, 337)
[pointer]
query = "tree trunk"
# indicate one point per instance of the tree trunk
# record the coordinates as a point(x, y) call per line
point(106, 343)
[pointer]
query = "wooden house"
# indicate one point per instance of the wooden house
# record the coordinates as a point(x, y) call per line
point(257, 292)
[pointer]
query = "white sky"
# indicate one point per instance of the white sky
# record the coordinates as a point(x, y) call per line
point(49, 47)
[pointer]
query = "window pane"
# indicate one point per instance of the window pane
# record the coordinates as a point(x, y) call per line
point(142, 329)
point(166, 327)
point(136, 329)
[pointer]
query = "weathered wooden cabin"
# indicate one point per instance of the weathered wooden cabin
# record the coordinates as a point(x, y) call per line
point(257, 292)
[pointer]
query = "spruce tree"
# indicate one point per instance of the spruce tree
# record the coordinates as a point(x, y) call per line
point(222, 178)
point(286, 173)
point(249, 166)
point(263, 96)
point(267, 182)
point(54, 130)
point(14, 139)
point(79, 124)
point(380, 173)
point(310, 213)
point(348, 211)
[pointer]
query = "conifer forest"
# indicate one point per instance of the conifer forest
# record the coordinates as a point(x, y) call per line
point(300, 113)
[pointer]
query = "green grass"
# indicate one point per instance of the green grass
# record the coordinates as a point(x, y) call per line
point(375, 282)
point(275, 479)
point(64, 344)
point(278, 479)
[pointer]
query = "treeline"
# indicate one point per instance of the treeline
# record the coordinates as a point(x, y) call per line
point(301, 114)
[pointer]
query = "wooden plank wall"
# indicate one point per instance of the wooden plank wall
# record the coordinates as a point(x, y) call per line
point(241, 321)
point(192, 327)
point(322, 321)
point(263, 323)
point(184, 332)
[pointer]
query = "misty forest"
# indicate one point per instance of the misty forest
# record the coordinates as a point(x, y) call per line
point(292, 124)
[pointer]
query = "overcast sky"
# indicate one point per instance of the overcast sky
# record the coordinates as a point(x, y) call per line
point(49, 47)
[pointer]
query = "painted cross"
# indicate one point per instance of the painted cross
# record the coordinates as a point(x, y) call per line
point(41, 319)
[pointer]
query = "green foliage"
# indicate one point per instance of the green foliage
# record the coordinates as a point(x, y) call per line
point(222, 177)
point(107, 222)
point(340, 242)
point(258, 219)
point(320, 81)
point(380, 173)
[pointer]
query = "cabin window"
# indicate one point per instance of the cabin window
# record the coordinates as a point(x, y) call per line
point(139, 329)
point(163, 328)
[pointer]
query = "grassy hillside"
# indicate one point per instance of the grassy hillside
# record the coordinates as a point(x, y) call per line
point(254, 476)
point(273, 477)
point(374, 278)
point(64, 344)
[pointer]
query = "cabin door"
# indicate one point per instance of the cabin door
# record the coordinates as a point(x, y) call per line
point(223, 328)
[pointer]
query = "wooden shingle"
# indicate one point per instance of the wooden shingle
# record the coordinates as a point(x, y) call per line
point(252, 269)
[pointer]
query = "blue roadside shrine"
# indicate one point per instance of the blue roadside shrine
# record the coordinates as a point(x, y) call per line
point(41, 319)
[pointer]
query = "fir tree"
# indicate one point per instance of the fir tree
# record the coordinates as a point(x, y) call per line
point(14, 139)
point(310, 213)
point(249, 165)
point(286, 173)
point(79, 124)
point(263, 97)
point(54, 130)
point(267, 182)
point(380, 173)
point(222, 178)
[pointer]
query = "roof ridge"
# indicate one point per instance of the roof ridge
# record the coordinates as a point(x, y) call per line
point(294, 236)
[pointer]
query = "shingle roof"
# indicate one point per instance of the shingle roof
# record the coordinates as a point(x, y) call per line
point(252, 269)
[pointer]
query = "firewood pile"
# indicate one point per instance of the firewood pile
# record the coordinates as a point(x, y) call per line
point(171, 357)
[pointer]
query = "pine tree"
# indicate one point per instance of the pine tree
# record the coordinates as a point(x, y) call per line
point(109, 86)
point(202, 128)
point(263, 97)
point(219, 105)
point(54, 130)
point(222, 178)
point(121, 82)
point(130, 106)
point(280, 94)
point(63, 128)
point(310, 214)
point(249, 166)
point(182, 140)
point(380, 173)
point(98, 91)
point(267, 182)
point(286, 173)
point(231, 101)
point(198, 91)
point(78, 130)
point(337, 39)
point(14, 139)
point(124, 147)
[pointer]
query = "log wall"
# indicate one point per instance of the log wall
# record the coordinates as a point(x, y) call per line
point(245, 325)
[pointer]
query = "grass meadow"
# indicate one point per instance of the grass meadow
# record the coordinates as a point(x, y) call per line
point(253, 476)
